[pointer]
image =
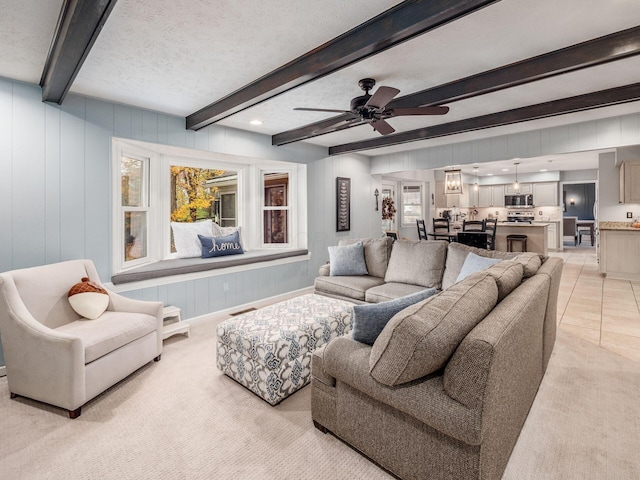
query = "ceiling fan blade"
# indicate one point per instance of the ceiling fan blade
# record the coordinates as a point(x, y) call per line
point(382, 127)
point(322, 110)
point(382, 96)
point(398, 112)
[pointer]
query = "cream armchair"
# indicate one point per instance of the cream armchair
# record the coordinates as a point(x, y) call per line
point(55, 356)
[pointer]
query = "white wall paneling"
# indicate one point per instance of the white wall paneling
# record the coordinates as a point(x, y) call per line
point(55, 192)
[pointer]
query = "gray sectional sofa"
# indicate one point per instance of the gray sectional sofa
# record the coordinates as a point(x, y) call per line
point(446, 387)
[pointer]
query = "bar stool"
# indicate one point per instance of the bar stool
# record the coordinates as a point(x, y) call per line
point(516, 238)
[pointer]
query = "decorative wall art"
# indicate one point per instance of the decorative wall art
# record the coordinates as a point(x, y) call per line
point(343, 204)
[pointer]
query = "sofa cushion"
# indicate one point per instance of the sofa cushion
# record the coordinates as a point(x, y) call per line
point(376, 253)
point(457, 253)
point(474, 263)
point(420, 339)
point(347, 286)
point(347, 260)
point(109, 331)
point(508, 275)
point(390, 291)
point(417, 262)
point(370, 319)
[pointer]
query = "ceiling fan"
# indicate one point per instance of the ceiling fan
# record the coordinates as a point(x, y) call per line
point(370, 109)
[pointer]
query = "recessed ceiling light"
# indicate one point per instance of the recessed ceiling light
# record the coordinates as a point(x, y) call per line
point(543, 169)
point(256, 122)
point(505, 169)
point(489, 174)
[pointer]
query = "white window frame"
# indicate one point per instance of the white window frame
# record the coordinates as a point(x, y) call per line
point(403, 202)
point(119, 210)
point(249, 197)
point(291, 207)
point(167, 161)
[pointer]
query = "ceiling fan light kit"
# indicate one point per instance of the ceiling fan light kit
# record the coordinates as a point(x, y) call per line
point(453, 182)
point(370, 109)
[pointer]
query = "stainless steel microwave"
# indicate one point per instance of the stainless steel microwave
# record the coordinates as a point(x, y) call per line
point(520, 200)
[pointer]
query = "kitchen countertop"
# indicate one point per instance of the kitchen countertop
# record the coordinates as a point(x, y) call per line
point(524, 224)
point(617, 226)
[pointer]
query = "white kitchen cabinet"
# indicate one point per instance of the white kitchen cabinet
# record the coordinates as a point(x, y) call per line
point(545, 194)
point(525, 188)
point(491, 196)
point(552, 236)
point(630, 182)
point(620, 254)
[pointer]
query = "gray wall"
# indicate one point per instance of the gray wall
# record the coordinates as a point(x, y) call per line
point(55, 192)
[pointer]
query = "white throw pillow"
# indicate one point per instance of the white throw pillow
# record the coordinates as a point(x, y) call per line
point(185, 237)
point(219, 231)
point(474, 263)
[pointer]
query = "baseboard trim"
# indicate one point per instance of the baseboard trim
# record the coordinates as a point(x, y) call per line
point(221, 315)
point(3, 371)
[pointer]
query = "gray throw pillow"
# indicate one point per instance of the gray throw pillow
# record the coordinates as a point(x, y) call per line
point(347, 260)
point(370, 319)
point(417, 262)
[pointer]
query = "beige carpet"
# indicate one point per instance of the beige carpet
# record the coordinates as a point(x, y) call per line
point(182, 419)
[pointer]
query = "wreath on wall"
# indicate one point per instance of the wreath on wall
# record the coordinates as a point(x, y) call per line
point(388, 208)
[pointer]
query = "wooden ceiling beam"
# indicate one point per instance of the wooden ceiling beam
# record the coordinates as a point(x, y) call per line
point(398, 24)
point(79, 24)
point(579, 103)
point(582, 55)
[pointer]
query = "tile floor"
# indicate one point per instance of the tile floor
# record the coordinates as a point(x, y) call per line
point(601, 310)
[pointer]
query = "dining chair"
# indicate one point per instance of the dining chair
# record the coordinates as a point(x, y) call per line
point(441, 225)
point(570, 228)
point(473, 239)
point(473, 226)
point(490, 226)
point(422, 230)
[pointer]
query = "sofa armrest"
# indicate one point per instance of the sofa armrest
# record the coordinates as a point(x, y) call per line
point(325, 270)
point(425, 399)
point(55, 359)
point(317, 368)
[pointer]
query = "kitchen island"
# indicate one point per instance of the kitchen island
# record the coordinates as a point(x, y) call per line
point(536, 235)
point(619, 250)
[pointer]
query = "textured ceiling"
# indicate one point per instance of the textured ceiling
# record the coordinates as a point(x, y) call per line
point(177, 56)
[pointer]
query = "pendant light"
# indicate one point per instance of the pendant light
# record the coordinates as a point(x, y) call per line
point(475, 185)
point(453, 182)
point(516, 185)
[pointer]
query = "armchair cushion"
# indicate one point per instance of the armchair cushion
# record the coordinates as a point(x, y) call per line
point(109, 332)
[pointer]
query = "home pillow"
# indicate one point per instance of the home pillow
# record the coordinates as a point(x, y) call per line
point(220, 246)
point(376, 253)
point(185, 237)
point(417, 262)
point(369, 319)
point(347, 260)
point(474, 263)
point(420, 339)
point(88, 299)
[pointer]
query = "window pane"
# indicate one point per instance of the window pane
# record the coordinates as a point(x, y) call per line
point(411, 194)
point(135, 235)
point(275, 226)
point(195, 192)
point(132, 176)
point(411, 213)
point(276, 189)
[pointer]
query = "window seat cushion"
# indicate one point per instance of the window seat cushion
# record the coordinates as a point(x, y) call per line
point(179, 266)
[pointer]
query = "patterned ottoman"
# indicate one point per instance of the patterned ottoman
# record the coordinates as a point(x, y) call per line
point(269, 350)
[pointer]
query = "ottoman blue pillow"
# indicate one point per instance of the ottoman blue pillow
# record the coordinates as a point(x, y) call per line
point(370, 319)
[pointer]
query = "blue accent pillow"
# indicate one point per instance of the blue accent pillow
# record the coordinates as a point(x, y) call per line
point(347, 260)
point(220, 246)
point(474, 263)
point(370, 319)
